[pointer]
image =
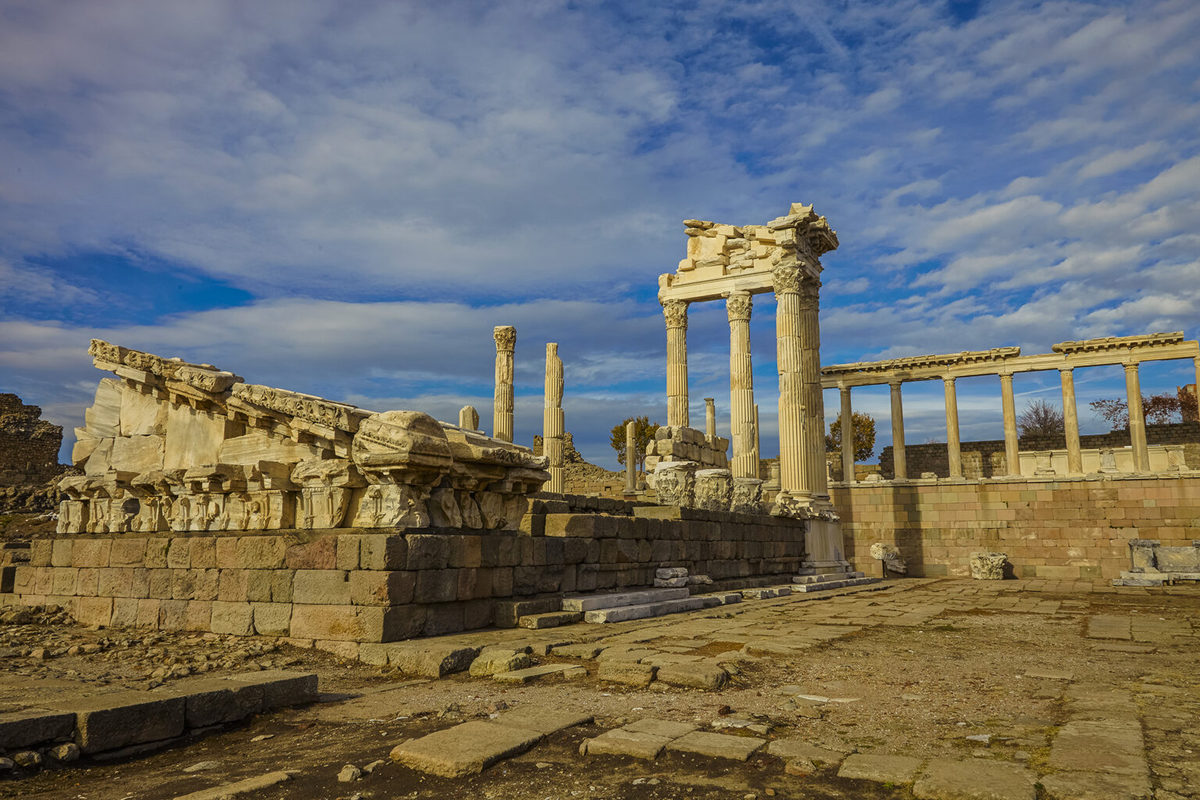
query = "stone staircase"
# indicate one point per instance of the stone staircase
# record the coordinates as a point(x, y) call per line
point(828, 581)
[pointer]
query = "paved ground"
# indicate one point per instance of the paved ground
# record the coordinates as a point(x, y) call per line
point(929, 689)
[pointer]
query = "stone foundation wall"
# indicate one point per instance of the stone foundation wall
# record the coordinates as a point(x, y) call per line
point(341, 587)
point(28, 444)
point(1050, 529)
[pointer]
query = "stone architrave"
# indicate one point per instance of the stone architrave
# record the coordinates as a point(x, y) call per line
point(675, 483)
point(468, 418)
point(747, 496)
point(503, 402)
point(675, 312)
point(630, 457)
point(552, 420)
point(713, 489)
point(744, 463)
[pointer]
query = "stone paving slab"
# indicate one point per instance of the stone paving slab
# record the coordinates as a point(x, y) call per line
point(716, 745)
point(621, 742)
point(21, 729)
point(113, 721)
point(660, 727)
point(533, 673)
point(789, 749)
point(879, 768)
point(696, 675)
point(1096, 786)
point(541, 719)
point(1110, 746)
point(240, 787)
point(1109, 627)
point(466, 749)
point(977, 779)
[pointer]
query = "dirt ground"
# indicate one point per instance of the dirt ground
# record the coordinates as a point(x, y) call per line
point(911, 670)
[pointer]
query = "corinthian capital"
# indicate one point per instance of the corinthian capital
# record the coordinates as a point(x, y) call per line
point(786, 279)
point(505, 336)
point(738, 305)
point(675, 312)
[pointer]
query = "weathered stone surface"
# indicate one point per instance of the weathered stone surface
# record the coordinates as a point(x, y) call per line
point(1073, 785)
point(465, 749)
point(499, 659)
point(432, 660)
point(660, 727)
point(621, 742)
point(717, 745)
point(630, 673)
point(880, 768)
point(696, 675)
point(215, 701)
point(112, 721)
point(945, 779)
point(281, 688)
point(988, 566)
point(789, 749)
point(27, 728)
point(534, 673)
point(246, 786)
point(541, 719)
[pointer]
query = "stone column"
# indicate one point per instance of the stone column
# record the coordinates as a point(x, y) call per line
point(801, 407)
point(630, 457)
point(1071, 422)
point(847, 436)
point(899, 464)
point(675, 313)
point(1137, 422)
point(552, 420)
point(502, 404)
point(710, 419)
point(468, 418)
point(952, 453)
point(757, 443)
point(744, 463)
point(1012, 454)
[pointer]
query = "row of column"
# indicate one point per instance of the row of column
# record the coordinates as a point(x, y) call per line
point(801, 405)
point(1137, 425)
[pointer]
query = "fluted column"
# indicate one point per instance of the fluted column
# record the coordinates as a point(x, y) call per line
point(1071, 422)
point(757, 441)
point(552, 420)
point(899, 463)
point(847, 436)
point(801, 407)
point(675, 313)
point(744, 463)
point(1137, 422)
point(710, 419)
point(953, 456)
point(1012, 453)
point(630, 457)
point(502, 404)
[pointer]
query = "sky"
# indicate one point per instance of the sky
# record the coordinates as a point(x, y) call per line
point(344, 198)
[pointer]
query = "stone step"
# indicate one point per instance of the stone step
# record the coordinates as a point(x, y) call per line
point(825, 586)
point(534, 673)
point(766, 592)
point(509, 612)
point(827, 576)
point(551, 620)
point(593, 602)
point(647, 610)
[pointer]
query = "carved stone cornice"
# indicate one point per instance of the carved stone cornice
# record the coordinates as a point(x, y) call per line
point(997, 354)
point(1118, 343)
point(339, 416)
point(738, 306)
point(505, 336)
point(675, 313)
point(203, 377)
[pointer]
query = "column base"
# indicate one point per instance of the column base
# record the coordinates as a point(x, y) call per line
point(799, 505)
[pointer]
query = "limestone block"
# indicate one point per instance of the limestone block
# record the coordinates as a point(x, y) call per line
point(194, 438)
point(322, 507)
point(272, 619)
point(341, 623)
point(381, 588)
point(142, 414)
point(257, 445)
point(436, 586)
point(281, 688)
point(329, 587)
point(233, 618)
point(91, 553)
point(95, 611)
point(261, 552)
point(113, 721)
point(988, 566)
point(318, 554)
point(72, 516)
point(428, 552)
point(103, 419)
point(381, 552)
point(98, 460)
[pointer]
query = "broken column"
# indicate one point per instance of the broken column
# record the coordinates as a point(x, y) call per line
point(710, 419)
point(675, 314)
point(502, 404)
point(552, 420)
point(744, 463)
point(630, 457)
point(468, 418)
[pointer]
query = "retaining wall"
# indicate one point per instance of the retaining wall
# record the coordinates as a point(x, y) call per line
point(1049, 528)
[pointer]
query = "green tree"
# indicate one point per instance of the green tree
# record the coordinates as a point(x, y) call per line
point(643, 434)
point(864, 436)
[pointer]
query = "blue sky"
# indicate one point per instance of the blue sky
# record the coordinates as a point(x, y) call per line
point(344, 198)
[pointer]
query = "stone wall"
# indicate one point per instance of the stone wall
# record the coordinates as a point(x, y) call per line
point(1065, 529)
point(984, 459)
point(28, 444)
point(341, 587)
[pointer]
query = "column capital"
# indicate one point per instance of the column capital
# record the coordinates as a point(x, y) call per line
point(1131, 367)
point(505, 336)
point(895, 383)
point(675, 313)
point(1066, 369)
point(738, 305)
point(1006, 377)
point(949, 379)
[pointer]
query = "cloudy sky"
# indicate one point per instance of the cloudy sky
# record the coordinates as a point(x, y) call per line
point(344, 198)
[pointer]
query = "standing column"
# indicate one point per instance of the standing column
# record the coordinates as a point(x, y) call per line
point(552, 420)
point(801, 407)
point(757, 443)
point(952, 452)
point(1012, 453)
point(710, 419)
point(1137, 422)
point(899, 464)
point(502, 404)
point(847, 436)
point(675, 313)
point(741, 387)
point(630, 457)
point(1071, 422)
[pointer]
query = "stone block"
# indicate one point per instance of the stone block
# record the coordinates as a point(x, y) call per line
point(436, 586)
point(383, 551)
point(137, 454)
point(156, 553)
point(542, 719)
point(41, 552)
point(227, 557)
point(320, 554)
point(214, 701)
point(124, 612)
point(103, 418)
point(125, 553)
point(232, 586)
point(147, 613)
point(695, 674)
point(428, 552)
point(465, 551)
point(198, 615)
point(444, 618)
point(94, 553)
point(381, 588)
point(60, 554)
point(466, 749)
point(172, 615)
point(232, 618)
point(115, 582)
point(64, 580)
point(141, 414)
point(880, 768)
point(946, 779)
point(272, 619)
point(717, 745)
point(179, 553)
point(347, 551)
point(282, 688)
point(22, 729)
point(195, 437)
point(432, 660)
point(325, 587)
point(630, 673)
point(622, 742)
point(203, 554)
point(120, 719)
point(256, 446)
point(261, 552)
point(340, 623)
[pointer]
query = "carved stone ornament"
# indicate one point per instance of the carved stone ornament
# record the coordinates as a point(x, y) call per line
point(505, 336)
point(340, 416)
point(786, 279)
point(713, 489)
point(675, 313)
point(738, 306)
point(747, 496)
point(675, 483)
